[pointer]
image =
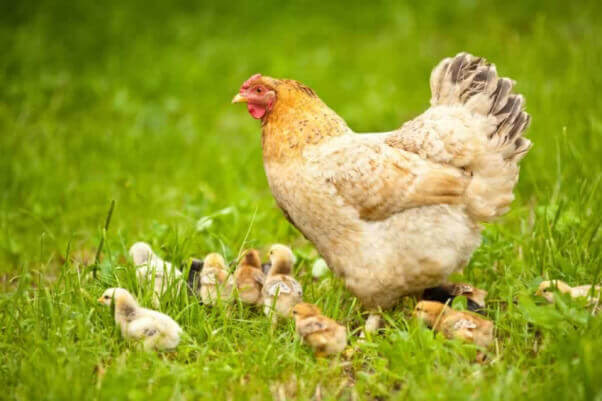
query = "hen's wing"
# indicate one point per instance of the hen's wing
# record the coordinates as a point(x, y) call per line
point(475, 123)
point(380, 180)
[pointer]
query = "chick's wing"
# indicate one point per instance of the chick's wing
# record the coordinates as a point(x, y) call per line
point(258, 276)
point(278, 287)
point(312, 325)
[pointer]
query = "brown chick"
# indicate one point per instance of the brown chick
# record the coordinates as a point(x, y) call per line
point(401, 208)
point(281, 292)
point(216, 283)
point(249, 278)
point(321, 333)
point(464, 325)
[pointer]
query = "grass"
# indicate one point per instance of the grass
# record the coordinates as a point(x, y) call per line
point(129, 101)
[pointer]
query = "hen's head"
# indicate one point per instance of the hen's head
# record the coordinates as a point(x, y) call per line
point(259, 93)
point(292, 116)
point(262, 94)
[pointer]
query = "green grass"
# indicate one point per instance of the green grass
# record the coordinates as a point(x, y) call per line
point(129, 101)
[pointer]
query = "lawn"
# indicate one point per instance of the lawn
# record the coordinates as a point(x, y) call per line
point(130, 101)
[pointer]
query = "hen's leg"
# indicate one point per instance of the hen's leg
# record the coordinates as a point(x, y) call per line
point(373, 323)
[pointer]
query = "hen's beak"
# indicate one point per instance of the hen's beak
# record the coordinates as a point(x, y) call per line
point(239, 99)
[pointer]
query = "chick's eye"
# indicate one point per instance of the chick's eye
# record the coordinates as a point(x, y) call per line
point(106, 297)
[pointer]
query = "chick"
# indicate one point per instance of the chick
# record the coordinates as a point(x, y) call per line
point(249, 278)
point(216, 283)
point(475, 296)
point(152, 267)
point(321, 333)
point(156, 330)
point(193, 281)
point(464, 325)
point(546, 290)
point(281, 292)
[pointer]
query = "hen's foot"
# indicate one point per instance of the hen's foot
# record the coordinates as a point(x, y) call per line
point(447, 292)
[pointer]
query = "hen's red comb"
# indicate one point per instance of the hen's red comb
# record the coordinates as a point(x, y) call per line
point(248, 82)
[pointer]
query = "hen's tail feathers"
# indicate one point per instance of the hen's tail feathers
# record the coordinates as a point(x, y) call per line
point(474, 83)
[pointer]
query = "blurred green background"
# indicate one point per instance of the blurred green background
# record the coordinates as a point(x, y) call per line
point(130, 101)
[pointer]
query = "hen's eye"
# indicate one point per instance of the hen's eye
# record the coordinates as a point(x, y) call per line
point(258, 90)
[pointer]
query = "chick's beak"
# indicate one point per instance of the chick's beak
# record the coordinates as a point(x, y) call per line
point(239, 99)
point(99, 300)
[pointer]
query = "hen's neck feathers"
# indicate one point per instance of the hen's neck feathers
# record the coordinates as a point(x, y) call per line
point(299, 118)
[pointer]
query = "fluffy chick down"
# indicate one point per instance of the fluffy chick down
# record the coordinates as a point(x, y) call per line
point(281, 292)
point(321, 333)
point(590, 292)
point(249, 278)
point(216, 282)
point(150, 267)
point(156, 330)
point(463, 325)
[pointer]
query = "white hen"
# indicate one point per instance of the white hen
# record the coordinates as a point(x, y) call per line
point(397, 212)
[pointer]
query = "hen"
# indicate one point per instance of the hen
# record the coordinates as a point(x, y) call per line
point(397, 212)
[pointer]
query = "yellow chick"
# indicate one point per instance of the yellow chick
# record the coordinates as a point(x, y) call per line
point(281, 292)
point(321, 333)
point(152, 267)
point(216, 283)
point(249, 278)
point(156, 330)
point(546, 290)
point(464, 325)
